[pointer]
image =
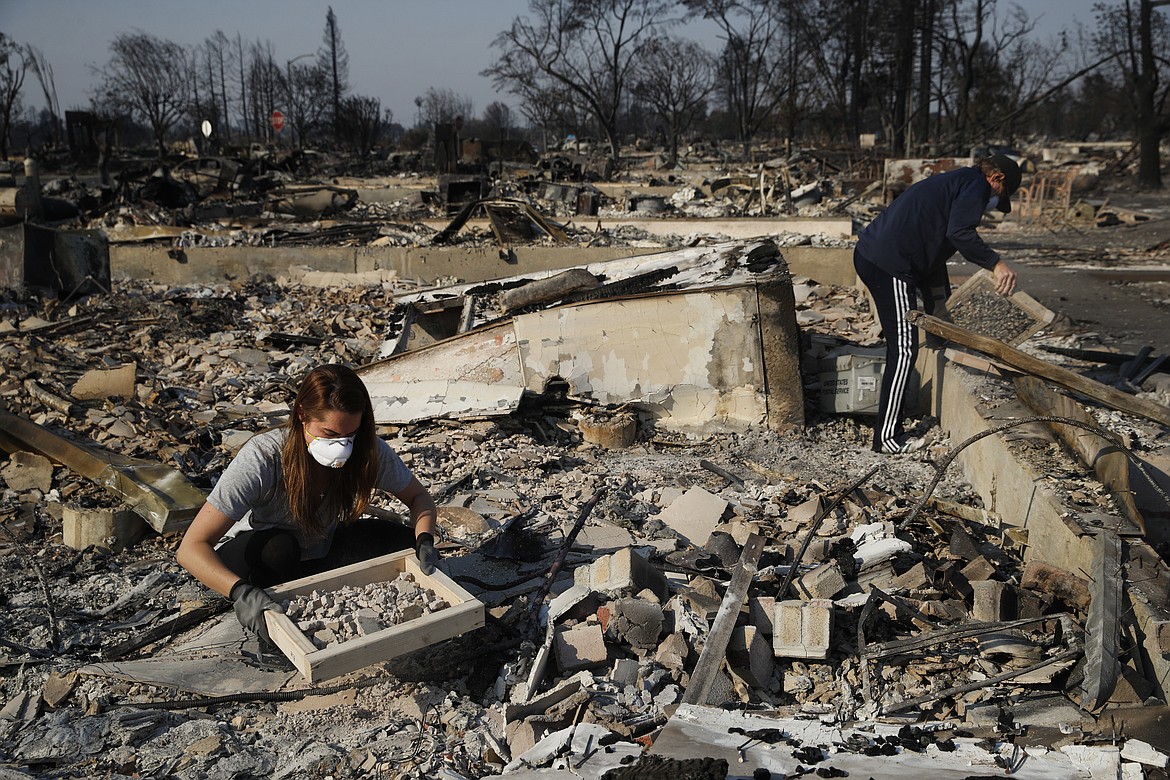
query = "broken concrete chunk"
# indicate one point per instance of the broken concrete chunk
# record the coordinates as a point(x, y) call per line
point(804, 513)
point(916, 577)
point(750, 655)
point(1098, 761)
point(978, 569)
point(28, 471)
point(574, 603)
point(802, 629)
point(625, 672)
point(694, 515)
point(106, 383)
point(58, 688)
point(580, 647)
point(638, 622)
point(1143, 753)
point(823, 582)
point(522, 735)
point(115, 529)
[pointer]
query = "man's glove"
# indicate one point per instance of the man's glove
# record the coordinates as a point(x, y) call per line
point(428, 556)
point(250, 604)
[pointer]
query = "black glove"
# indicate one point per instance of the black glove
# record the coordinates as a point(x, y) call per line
point(250, 604)
point(428, 556)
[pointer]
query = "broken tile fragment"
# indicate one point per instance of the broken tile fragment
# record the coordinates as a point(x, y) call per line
point(694, 515)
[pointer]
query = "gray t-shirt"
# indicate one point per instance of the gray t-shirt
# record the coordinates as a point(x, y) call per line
point(251, 490)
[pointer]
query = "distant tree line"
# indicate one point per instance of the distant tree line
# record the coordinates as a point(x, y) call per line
point(925, 77)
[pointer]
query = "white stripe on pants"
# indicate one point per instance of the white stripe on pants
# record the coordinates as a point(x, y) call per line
point(905, 350)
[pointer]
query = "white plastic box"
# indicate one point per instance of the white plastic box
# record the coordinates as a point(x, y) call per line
point(851, 382)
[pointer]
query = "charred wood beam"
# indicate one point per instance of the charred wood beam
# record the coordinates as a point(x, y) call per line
point(715, 647)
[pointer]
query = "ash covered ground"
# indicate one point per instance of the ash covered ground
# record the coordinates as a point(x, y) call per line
point(216, 363)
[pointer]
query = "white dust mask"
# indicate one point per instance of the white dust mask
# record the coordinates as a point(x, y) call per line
point(331, 453)
point(992, 202)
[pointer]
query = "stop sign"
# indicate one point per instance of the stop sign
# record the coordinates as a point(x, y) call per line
point(277, 121)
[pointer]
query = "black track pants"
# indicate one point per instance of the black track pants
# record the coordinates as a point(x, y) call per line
point(893, 298)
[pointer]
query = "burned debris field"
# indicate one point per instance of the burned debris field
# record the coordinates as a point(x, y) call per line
point(644, 406)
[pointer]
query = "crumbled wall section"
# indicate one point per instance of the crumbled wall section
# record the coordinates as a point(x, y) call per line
point(693, 357)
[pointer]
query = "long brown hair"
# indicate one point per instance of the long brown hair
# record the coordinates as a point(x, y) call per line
point(330, 388)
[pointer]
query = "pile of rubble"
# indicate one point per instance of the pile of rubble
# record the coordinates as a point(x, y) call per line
point(796, 576)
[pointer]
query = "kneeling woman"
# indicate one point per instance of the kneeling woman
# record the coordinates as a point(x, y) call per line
point(291, 500)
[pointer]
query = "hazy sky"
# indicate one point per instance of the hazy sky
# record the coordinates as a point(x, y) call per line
point(397, 48)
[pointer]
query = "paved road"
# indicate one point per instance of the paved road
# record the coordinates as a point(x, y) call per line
point(1081, 274)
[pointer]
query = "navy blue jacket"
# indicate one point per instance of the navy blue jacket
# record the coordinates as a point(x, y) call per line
point(936, 217)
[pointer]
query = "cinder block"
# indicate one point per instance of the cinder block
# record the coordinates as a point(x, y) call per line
point(991, 601)
point(802, 629)
point(580, 647)
point(823, 582)
point(750, 656)
point(624, 569)
point(116, 529)
point(760, 611)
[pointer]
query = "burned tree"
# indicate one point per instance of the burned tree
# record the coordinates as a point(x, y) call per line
point(443, 105)
point(12, 70)
point(212, 74)
point(334, 60)
point(239, 60)
point(307, 97)
point(1139, 38)
point(265, 86)
point(44, 73)
point(587, 50)
point(361, 122)
point(675, 77)
point(751, 75)
point(149, 77)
